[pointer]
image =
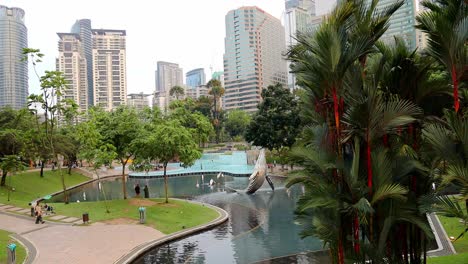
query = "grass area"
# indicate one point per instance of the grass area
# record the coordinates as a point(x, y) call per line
point(167, 218)
point(461, 258)
point(5, 239)
point(454, 228)
point(29, 186)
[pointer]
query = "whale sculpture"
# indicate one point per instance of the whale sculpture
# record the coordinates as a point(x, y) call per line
point(257, 178)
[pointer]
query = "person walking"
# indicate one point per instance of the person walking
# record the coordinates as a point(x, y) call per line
point(38, 210)
point(137, 190)
point(146, 191)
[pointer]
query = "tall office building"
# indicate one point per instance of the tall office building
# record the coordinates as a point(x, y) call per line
point(168, 75)
point(72, 62)
point(297, 18)
point(13, 71)
point(109, 67)
point(83, 28)
point(195, 78)
point(253, 58)
point(402, 23)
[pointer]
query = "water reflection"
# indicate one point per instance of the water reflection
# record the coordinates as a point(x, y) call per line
point(261, 227)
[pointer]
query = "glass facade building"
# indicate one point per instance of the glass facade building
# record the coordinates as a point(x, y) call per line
point(83, 28)
point(13, 71)
point(297, 18)
point(195, 78)
point(402, 23)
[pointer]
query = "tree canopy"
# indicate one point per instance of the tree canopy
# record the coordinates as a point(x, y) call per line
point(276, 124)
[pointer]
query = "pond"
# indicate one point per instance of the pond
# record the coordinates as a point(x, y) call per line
point(261, 228)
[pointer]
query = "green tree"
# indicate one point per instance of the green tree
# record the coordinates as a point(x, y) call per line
point(198, 124)
point(217, 91)
point(12, 164)
point(177, 91)
point(170, 141)
point(203, 105)
point(94, 150)
point(360, 146)
point(237, 122)
point(15, 134)
point(120, 128)
point(276, 123)
point(445, 24)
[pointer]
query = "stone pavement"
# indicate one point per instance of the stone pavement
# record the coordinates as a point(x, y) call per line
point(59, 243)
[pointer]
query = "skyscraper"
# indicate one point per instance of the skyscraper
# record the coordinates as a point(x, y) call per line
point(297, 18)
point(83, 28)
point(13, 71)
point(402, 23)
point(195, 78)
point(253, 58)
point(72, 62)
point(109, 66)
point(168, 75)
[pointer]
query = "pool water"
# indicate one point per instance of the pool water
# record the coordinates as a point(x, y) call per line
point(232, 163)
point(260, 226)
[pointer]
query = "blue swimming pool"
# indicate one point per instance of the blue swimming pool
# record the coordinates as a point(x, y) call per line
point(232, 164)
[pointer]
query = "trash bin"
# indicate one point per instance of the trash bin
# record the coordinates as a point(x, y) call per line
point(142, 211)
point(85, 218)
point(11, 253)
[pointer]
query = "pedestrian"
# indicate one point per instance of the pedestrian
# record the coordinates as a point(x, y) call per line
point(38, 210)
point(137, 189)
point(146, 191)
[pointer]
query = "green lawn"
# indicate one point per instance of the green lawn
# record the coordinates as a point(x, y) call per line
point(5, 239)
point(167, 218)
point(453, 227)
point(461, 258)
point(29, 186)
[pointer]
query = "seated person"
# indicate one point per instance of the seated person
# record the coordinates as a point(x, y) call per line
point(49, 208)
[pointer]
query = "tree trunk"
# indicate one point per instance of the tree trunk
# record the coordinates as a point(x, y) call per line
point(165, 181)
point(4, 175)
point(124, 189)
point(62, 177)
point(69, 168)
point(42, 168)
point(456, 103)
point(357, 246)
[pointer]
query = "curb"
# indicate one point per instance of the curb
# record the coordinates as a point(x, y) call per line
point(31, 251)
point(140, 249)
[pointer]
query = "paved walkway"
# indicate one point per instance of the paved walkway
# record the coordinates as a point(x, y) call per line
point(96, 243)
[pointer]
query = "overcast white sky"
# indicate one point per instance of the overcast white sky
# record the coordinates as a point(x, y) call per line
point(188, 32)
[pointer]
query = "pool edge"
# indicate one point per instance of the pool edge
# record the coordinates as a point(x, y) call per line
point(143, 248)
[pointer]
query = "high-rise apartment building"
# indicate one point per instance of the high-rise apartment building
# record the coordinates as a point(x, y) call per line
point(109, 68)
point(13, 71)
point(72, 62)
point(83, 28)
point(168, 75)
point(253, 58)
point(195, 78)
point(297, 19)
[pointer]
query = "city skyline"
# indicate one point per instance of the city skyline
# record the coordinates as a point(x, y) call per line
point(145, 47)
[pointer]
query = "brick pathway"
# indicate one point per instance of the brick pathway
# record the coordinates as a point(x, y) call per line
point(97, 243)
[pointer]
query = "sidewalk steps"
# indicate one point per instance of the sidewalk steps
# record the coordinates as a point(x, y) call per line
point(14, 209)
point(70, 219)
point(58, 217)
